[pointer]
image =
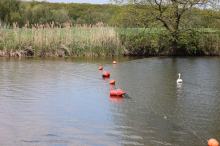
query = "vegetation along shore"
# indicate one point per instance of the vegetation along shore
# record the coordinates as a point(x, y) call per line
point(54, 29)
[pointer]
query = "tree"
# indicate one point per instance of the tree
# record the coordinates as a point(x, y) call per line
point(9, 10)
point(171, 14)
point(134, 16)
point(60, 16)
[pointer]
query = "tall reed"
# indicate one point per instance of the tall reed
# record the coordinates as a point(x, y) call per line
point(47, 40)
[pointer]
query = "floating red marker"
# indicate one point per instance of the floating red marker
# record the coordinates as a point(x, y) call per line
point(213, 142)
point(105, 74)
point(114, 62)
point(112, 82)
point(117, 92)
point(100, 67)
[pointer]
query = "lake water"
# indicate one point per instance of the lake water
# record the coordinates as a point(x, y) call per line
point(58, 102)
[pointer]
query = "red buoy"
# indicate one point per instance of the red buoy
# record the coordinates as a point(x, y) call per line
point(213, 142)
point(117, 92)
point(100, 67)
point(105, 74)
point(112, 82)
point(114, 62)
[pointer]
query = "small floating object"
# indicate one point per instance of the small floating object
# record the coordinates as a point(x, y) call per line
point(100, 67)
point(117, 92)
point(179, 80)
point(112, 82)
point(114, 62)
point(213, 142)
point(105, 74)
point(165, 117)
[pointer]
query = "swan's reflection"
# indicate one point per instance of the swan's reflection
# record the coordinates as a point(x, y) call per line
point(179, 85)
point(179, 89)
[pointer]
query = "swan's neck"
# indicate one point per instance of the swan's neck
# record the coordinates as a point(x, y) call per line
point(179, 76)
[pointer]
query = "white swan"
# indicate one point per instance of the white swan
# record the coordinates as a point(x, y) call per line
point(179, 80)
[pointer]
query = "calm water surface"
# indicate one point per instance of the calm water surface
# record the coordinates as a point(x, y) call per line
point(67, 103)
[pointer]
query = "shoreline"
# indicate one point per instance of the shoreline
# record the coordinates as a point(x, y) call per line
point(102, 41)
point(61, 54)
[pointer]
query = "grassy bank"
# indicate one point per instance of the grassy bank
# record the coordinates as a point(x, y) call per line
point(54, 41)
point(157, 42)
point(97, 40)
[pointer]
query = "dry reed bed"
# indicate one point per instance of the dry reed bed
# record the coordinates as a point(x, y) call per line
point(42, 40)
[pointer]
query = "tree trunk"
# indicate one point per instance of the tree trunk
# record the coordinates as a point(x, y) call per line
point(176, 50)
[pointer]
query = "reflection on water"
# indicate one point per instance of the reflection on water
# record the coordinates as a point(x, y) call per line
point(179, 86)
point(179, 90)
point(66, 102)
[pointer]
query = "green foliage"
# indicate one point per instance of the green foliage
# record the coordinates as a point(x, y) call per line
point(60, 16)
point(9, 10)
point(144, 41)
point(151, 42)
point(124, 16)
